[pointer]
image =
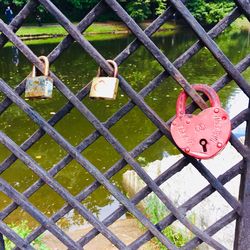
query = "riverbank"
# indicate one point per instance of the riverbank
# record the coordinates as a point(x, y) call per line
point(54, 33)
point(55, 30)
point(114, 28)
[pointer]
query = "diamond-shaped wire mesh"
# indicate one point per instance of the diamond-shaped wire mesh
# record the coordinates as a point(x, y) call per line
point(239, 207)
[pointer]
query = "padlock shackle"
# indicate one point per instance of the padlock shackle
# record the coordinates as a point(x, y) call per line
point(46, 66)
point(113, 64)
point(205, 89)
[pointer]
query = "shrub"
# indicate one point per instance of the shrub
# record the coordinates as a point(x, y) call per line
point(210, 12)
point(157, 211)
point(23, 230)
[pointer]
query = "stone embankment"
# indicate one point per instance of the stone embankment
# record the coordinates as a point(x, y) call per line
point(187, 183)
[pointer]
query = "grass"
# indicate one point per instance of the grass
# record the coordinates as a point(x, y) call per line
point(95, 28)
point(107, 27)
point(170, 25)
point(157, 211)
point(102, 31)
point(52, 29)
point(96, 32)
point(23, 230)
point(56, 40)
point(33, 30)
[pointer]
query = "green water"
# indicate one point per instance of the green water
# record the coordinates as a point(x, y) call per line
point(75, 68)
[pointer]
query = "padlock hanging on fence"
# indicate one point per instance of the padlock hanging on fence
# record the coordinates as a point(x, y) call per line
point(204, 135)
point(39, 87)
point(105, 87)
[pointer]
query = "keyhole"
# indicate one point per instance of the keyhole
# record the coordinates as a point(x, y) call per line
point(203, 143)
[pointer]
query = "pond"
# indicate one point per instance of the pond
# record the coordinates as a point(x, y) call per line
point(75, 68)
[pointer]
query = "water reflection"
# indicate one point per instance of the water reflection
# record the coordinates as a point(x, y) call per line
point(15, 55)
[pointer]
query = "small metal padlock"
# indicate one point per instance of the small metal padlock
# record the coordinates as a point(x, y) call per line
point(104, 87)
point(204, 135)
point(39, 87)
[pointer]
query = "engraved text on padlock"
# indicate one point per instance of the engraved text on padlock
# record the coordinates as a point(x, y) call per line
point(204, 135)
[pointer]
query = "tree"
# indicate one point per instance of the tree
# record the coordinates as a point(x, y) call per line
point(144, 9)
point(206, 11)
point(209, 11)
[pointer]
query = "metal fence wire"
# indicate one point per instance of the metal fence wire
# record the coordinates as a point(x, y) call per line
point(240, 207)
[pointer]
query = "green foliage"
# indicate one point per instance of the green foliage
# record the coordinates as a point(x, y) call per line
point(157, 211)
point(80, 4)
point(160, 7)
point(23, 230)
point(206, 11)
point(210, 12)
point(139, 9)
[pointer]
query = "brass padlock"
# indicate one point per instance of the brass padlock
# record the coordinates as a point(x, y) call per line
point(105, 87)
point(39, 87)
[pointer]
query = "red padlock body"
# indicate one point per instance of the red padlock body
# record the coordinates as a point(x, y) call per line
point(188, 132)
point(204, 135)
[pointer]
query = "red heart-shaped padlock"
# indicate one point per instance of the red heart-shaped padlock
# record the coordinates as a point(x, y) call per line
point(204, 135)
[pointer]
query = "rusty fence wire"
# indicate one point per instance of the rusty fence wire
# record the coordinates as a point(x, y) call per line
point(240, 207)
